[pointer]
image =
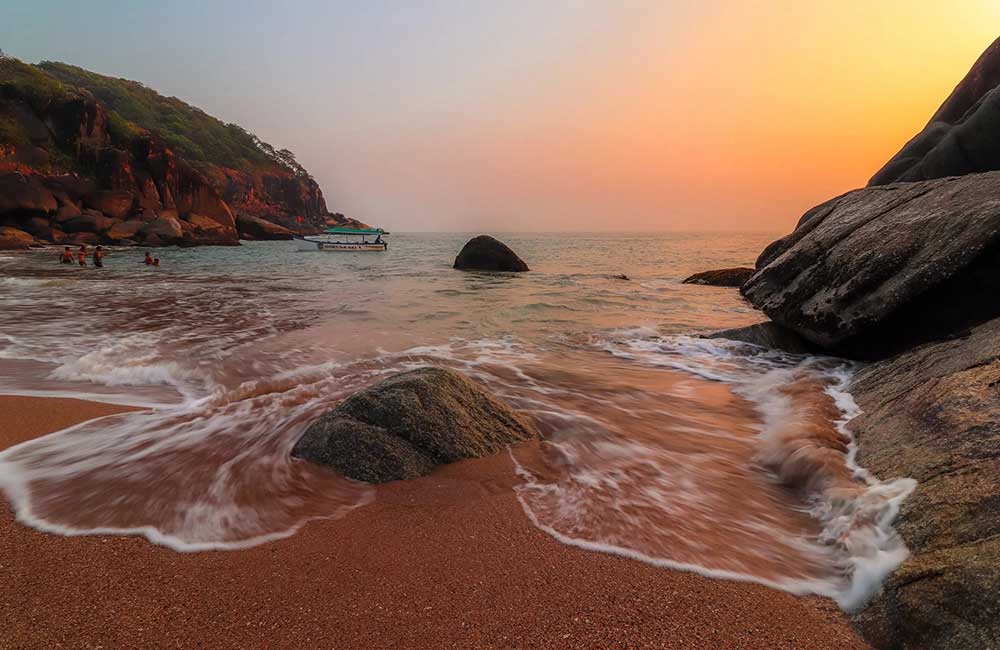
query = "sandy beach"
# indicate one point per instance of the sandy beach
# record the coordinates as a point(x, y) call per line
point(446, 561)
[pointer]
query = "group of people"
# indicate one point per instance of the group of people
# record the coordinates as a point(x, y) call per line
point(66, 257)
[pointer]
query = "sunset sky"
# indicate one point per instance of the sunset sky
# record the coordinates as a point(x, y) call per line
point(556, 115)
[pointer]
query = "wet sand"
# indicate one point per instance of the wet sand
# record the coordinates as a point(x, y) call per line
point(446, 561)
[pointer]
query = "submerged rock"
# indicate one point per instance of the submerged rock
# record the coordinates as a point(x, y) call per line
point(484, 253)
point(406, 425)
point(768, 335)
point(734, 277)
point(934, 414)
point(879, 270)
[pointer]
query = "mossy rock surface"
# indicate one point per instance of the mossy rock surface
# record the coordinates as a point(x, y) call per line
point(406, 425)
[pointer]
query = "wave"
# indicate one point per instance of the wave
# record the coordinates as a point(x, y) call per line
point(665, 494)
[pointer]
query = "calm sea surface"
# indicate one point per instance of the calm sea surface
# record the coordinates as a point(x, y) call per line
point(660, 446)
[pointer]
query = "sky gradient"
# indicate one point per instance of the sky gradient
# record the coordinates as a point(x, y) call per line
point(560, 115)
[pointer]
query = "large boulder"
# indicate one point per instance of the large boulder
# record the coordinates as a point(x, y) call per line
point(484, 253)
point(91, 221)
point(734, 277)
point(14, 239)
point(125, 230)
point(962, 137)
point(251, 227)
point(879, 270)
point(202, 222)
point(404, 426)
point(25, 194)
point(117, 204)
point(934, 414)
point(165, 229)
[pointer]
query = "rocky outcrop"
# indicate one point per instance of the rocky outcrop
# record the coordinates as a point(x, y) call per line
point(64, 151)
point(933, 414)
point(879, 270)
point(767, 335)
point(25, 195)
point(484, 253)
point(406, 425)
point(255, 228)
point(14, 239)
point(734, 277)
point(962, 137)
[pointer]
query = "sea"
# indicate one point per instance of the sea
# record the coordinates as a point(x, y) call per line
point(680, 451)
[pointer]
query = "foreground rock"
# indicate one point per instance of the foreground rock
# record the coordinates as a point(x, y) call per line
point(734, 277)
point(934, 414)
point(962, 137)
point(767, 335)
point(879, 270)
point(484, 253)
point(406, 425)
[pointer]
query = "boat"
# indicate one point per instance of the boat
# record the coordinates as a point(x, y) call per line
point(344, 239)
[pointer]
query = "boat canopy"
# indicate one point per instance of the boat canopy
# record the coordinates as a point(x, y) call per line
point(338, 230)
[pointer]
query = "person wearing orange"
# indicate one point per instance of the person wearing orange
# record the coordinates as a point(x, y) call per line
point(66, 257)
point(81, 255)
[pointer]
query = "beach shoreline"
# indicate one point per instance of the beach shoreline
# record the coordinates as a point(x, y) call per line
point(445, 561)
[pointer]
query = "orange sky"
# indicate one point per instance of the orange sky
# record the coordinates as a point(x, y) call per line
point(737, 119)
point(555, 115)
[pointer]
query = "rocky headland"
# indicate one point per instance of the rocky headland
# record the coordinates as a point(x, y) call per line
point(87, 159)
point(905, 275)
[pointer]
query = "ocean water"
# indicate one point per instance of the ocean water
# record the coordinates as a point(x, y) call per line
point(697, 454)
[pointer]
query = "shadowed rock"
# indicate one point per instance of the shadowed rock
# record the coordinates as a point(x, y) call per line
point(404, 426)
point(962, 137)
point(879, 270)
point(734, 277)
point(767, 335)
point(25, 194)
point(484, 253)
point(258, 229)
point(14, 239)
point(934, 414)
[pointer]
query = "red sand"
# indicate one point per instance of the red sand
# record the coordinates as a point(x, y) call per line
point(446, 561)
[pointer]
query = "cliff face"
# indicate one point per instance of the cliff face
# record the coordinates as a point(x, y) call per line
point(74, 170)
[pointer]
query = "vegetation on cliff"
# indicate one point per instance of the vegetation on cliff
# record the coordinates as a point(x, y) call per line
point(79, 141)
point(192, 133)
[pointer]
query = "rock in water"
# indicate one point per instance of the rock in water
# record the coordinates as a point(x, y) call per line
point(962, 137)
point(933, 414)
point(404, 426)
point(879, 270)
point(484, 253)
point(734, 277)
point(767, 335)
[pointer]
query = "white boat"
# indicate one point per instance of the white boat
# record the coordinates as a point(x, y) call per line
point(344, 239)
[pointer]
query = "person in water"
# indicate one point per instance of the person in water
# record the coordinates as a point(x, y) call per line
point(66, 257)
point(98, 257)
point(81, 255)
point(156, 261)
point(149, 259)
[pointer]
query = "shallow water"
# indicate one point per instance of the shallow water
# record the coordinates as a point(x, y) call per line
point(690, 453)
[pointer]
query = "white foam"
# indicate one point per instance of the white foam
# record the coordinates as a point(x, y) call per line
point(856, 531)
